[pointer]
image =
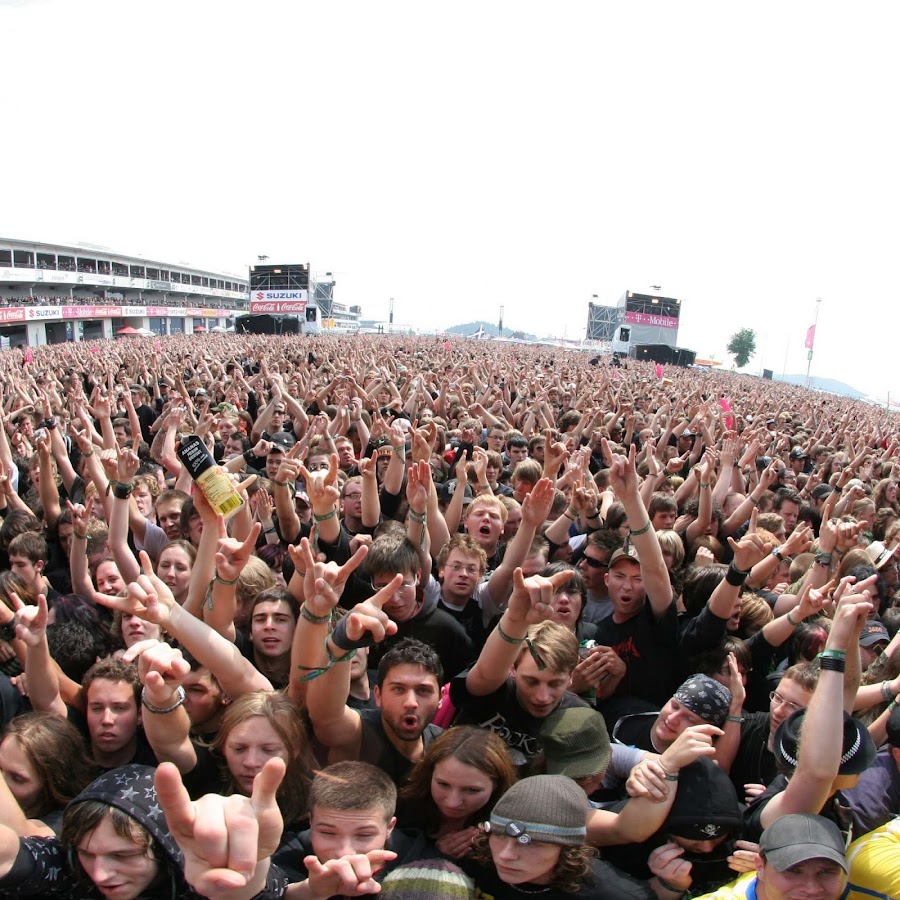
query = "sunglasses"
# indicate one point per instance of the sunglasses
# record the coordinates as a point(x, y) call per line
point(595, 563)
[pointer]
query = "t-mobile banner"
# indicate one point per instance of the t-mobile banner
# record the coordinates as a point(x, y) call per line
point(636, 318)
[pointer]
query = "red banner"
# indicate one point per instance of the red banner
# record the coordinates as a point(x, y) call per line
point(277, 306)
point(12, 313)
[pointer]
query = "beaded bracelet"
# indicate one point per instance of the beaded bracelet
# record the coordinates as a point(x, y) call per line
point(312, 617)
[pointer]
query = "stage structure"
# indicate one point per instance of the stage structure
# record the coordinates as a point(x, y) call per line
point(287, 299)
point(602, 322)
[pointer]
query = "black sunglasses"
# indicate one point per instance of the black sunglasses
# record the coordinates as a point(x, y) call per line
point(595, 563)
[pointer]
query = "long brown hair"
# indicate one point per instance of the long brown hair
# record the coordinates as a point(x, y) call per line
point(286, 718)
point(476, 747)
point(56, 749)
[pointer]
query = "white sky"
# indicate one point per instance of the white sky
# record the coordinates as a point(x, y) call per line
point(461, 156)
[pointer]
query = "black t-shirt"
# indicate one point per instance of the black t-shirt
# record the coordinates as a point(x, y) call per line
point(471, 617)
point(440, 631)
point(375, 748)
point(604, 882)
point(635, 731)
point(754, 763)
point(836, 809)
point(501, 713)
point(649, 648)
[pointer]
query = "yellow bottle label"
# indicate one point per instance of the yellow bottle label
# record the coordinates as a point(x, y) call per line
point(219, 491)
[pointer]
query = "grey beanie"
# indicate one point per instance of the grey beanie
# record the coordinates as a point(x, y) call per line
point(547, 808)
point(705, 697)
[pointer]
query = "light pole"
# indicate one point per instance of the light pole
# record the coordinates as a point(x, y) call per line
point(809, 355)
point(500, 327)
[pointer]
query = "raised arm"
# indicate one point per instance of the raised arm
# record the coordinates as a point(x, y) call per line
point(162, 670)
point(531, 602)
point(820, 750)
point(40, 673)
point(623, 480)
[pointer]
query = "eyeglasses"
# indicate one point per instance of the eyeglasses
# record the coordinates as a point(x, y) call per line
point(403, 584)
point(594, 563)
point(793, 707)
point(469, 570)
point(318, 467)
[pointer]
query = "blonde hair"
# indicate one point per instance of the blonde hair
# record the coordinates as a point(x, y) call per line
point(555, 644)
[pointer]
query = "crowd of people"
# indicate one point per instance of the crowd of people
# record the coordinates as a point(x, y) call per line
point(335, 616)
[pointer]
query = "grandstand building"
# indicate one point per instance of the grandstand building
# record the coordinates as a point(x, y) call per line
point(50, 293)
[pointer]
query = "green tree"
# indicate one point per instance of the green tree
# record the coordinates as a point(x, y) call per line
point(742, 345)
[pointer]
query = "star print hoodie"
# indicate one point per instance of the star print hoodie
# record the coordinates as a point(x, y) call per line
point(46, 867)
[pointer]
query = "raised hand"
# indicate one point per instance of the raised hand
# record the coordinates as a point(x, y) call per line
point(30, 621)
point(531, 600)
point(537, 503)
point(323, 583)
point(622, 473)
point(346, 876)
point(233, 555)
point(147, 598)
point(751, 548)
point(222, 838)
point(161, 667)
point(128, 464)
point(369, 616)
point(418, 487)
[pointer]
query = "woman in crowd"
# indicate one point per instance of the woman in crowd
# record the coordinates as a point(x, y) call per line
point(461, 776)
point(44, 764)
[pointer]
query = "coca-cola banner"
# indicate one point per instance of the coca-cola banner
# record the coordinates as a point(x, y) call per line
point(277, 306)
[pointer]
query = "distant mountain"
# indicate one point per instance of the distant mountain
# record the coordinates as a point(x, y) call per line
point(824, 384)
point(489, 328)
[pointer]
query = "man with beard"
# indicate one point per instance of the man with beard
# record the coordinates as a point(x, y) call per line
point(398, 731)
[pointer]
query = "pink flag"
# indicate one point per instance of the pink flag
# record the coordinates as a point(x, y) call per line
point(659, 371)
point(726, 407)
point(810, 337)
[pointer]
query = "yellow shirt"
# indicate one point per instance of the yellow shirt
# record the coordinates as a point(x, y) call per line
point(875, 864)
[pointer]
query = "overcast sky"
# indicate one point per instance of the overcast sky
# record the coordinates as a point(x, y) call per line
point(459, 157)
